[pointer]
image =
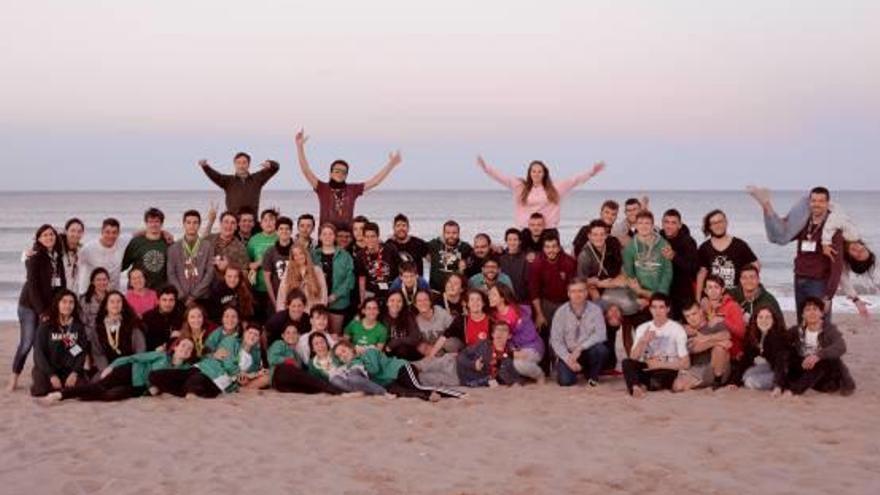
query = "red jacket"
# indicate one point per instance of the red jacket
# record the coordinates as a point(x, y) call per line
point(732, 313)
point(549, 279)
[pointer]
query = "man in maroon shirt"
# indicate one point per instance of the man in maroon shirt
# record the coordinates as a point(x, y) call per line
point(548, 281)
point(816, 275)
point(336, 198)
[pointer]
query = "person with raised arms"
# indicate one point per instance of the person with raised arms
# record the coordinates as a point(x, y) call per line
point(537, 193)
point(242, 188)
point(336, 198)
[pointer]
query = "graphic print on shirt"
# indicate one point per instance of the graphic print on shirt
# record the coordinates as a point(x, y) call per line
point(154, 261)
point(724, 267)
point(450, 259)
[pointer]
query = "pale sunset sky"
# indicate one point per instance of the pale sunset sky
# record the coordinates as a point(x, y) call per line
point(672, 95)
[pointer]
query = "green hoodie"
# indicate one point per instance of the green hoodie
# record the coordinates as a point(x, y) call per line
point(320, 372)
point(382, 369)
point(225, 373)
point(764, 299)
point(279, 352)
point(214, 339)
point(143, 363)
point(343, 277)
point(648, 265)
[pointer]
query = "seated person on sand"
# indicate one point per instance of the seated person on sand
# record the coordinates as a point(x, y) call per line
point(403, 332)
point(234, 363)
point(719, 308)
point(367, 330)
point(659, 353)
point(709, 347)
point(127, 377)
point(820, 349)
point(768, 352)
point(287, 371)
point(59, 348)
point(433, 321)
point(859, 260)
point(395, 375)
point(528, 347)
point(489, 362)
point(577, 337)
point(467, 329)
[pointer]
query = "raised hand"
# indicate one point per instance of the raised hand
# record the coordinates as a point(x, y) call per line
point(203, 163)
point(266, 164)
point(481, 162)
point(394, 159)
point(301, 137)
point(598, 167)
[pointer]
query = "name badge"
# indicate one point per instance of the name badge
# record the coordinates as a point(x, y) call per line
point(75, 350)
point(808, 246)
point(56, 281)
point(383, 286)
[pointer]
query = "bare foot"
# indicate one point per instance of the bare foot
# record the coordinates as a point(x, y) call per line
point(639, 392)
point(434, 397)
point(154, 391)
point(761, 194)
point(13, 383)
point(541, 380)
point(352, 394)
point(50, 399)
point(389, 396)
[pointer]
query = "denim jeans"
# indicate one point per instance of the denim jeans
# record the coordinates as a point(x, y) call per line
point(591, 361)
point(759, 377)
point(807, 287)
point(352, 382)
point(782, 230)
point(28, 320)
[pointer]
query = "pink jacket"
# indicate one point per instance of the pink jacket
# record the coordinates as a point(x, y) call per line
point(537, 200)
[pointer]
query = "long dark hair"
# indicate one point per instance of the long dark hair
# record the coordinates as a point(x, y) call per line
point(130, 322)
point(318, 335)
point(90, 292)
point(547, 182)
point(53, 314)
point(859, 267)
point(753, 333)
point(38, 247)
point(507, 296)
point(243, 292)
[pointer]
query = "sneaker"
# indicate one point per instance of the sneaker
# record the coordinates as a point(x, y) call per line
point(592, 383)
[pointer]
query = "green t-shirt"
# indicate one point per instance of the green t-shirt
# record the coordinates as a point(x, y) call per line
point(256, 248)
point(362, 336)
point(149, 256)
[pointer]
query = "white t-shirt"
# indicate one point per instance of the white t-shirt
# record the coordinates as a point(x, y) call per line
point(670, 341)
point(810, 343)
point(95, 255)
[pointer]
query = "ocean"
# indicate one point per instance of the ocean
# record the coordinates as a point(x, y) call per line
point(488, 211)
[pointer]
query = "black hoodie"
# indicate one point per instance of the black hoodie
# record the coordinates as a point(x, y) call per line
point(685, 265)
point(58, 352)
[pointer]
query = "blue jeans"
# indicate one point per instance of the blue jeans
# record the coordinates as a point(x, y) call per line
point(782, 230)
point(356, 383)
point(809, 287)
point(28, 320)
point(591, 361)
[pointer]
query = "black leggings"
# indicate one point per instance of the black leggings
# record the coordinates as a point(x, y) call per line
point(408, 352)
point(115, 386)
point(407, 385)
point(290, 378)
point(183, 382)
point(636, 373)
point(41, 385)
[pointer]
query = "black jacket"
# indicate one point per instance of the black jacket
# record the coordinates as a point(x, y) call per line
point(54, 349)
point(38, 290)
point(471, 377)
point(779, 350)
point(685, 265)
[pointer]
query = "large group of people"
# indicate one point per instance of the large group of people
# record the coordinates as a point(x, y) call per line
point(267, 300)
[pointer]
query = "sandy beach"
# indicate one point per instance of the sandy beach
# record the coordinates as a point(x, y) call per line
point(523, 440)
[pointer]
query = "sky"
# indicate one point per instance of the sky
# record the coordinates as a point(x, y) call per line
point(671, 95)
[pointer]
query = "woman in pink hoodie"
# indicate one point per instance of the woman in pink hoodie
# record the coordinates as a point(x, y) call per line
point(537, 193)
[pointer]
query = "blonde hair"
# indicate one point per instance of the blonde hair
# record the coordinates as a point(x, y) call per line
point(308, 283)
